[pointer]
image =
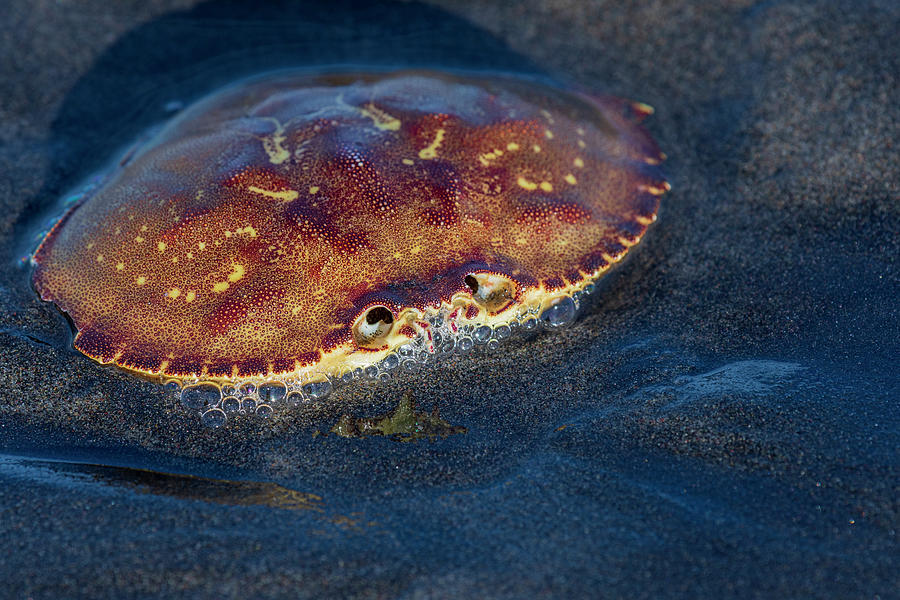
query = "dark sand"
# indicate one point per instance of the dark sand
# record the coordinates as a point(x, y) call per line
point(723, 422)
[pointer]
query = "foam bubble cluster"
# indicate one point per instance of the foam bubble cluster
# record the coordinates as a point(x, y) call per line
point(442, 332)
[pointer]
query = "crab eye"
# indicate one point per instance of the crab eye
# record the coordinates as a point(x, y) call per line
point(492, 291)
point(373, 326)
point(378, 314)
point(472, 283)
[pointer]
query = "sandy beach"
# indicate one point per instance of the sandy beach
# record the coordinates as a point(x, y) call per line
point(722, 422)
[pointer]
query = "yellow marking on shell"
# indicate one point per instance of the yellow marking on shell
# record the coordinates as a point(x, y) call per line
point(643, 108)
point(579, 130)
point(430, 151)
point(189, 297)
point(173, 293)
point(237, 272)
point(313, 189)
point(570, 179)
point(120, 266)
point(578, 162)
point(525, 184)
point(489, 156)
point(521, 241)
point(536, 148)
point(143, 228)
point(286, 195)
point(415, 249)
point(139, 239)
point(118, 230)
point(190, 255)
point(99, 258)
point(548, 134)
point(626, 242)
point(201, 245)
point(140, 280)
point(496, 242)
point(512, 146)
point(272, 144)
point(546, 186)
point(581, 144)
point(161, 246)
point(247, 229)
point(645, 220)
point(380, 118)
point(656, 191)
point(407, 161)
point(398, 255)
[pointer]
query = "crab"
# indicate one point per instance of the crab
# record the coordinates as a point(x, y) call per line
point(293, 229)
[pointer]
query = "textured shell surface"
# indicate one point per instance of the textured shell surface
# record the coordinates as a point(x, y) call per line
point(299, 226)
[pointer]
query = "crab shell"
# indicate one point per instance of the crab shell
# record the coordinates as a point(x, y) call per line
point(299, 226)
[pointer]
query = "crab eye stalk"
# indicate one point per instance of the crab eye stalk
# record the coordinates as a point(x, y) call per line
point(492, 291)
point(373, 327)
point(472, 283)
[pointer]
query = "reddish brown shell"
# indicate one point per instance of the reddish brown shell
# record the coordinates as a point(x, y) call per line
point(251, 235)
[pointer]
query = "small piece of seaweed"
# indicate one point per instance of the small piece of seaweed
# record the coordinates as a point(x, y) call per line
point(404, 424)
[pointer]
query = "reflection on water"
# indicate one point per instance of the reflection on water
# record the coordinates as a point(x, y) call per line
point(173, 485)
point(756, 379)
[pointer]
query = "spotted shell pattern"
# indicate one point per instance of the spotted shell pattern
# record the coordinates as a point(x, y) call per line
point(301, 225)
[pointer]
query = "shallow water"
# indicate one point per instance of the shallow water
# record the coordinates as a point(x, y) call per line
point(722, 422)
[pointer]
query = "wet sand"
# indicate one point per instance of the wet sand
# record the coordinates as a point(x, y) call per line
point(722, 422)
